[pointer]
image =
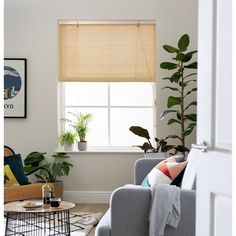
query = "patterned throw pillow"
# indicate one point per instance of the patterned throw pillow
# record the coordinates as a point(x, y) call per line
point(9, 177)
point(16, 166)
point(166, 171)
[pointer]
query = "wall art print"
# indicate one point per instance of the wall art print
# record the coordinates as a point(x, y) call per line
point(15, 87)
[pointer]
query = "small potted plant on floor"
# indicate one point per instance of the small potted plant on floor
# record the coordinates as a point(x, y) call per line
point(67, 140)
point(80, 124)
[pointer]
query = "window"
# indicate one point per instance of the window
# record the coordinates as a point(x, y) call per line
point(108, 69)
point(115, 107)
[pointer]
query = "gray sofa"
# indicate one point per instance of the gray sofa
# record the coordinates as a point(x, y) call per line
point(129, 208)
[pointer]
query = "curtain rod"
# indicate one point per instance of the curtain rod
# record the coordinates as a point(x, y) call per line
point(81, 22)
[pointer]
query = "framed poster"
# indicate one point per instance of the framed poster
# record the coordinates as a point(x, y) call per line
point(15, 87)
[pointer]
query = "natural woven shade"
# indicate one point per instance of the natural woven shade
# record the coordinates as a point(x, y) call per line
point(107, 52)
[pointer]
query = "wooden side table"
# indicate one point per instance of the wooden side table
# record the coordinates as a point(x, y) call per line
point(38, 220)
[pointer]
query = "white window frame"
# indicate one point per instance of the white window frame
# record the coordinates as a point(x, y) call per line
point(62, 107)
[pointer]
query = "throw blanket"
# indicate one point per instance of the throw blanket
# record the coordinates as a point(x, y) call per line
point(165, 208)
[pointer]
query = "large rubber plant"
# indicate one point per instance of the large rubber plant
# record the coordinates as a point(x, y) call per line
point(182, 84)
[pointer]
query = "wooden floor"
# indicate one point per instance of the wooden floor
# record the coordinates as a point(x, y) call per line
point(92, 207)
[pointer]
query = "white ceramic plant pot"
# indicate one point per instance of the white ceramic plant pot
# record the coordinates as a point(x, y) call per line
point(82, 146)
point(68, 147)
point(155, 155)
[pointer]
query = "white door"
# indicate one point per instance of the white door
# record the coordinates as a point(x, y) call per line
point(214, 176)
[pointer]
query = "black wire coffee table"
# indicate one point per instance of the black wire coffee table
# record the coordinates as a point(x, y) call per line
point(38, 221)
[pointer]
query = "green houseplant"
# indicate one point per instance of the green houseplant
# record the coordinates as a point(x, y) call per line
point(47, 168)
point(80, 124)
point(182, 83)
point(161, 143)
point(67, 139)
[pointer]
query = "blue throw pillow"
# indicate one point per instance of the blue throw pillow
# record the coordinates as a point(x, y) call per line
point(16, 166)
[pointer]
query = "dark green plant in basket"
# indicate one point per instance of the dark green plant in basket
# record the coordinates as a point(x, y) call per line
point(47, 169)
point(182, 83)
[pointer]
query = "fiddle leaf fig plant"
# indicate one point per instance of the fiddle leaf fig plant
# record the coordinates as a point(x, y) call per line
point(182, 84)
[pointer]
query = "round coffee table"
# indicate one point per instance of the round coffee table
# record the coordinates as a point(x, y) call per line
point(22, 219)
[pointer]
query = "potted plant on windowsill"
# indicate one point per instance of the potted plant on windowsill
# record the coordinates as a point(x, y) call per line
point(67, 140)
point(48, 170)
point(161, 147)
point(80, 124)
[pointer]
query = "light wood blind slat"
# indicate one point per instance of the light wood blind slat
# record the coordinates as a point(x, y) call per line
point(107, 53)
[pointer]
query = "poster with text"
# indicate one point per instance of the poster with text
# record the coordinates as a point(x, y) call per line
point(15, 88)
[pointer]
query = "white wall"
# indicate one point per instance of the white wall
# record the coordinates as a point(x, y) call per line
point(31, 32)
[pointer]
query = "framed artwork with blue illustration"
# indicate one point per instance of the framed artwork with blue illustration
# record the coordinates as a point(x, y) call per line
point(15, 87)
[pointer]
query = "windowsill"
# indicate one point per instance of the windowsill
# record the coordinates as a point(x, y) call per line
point(101, 150)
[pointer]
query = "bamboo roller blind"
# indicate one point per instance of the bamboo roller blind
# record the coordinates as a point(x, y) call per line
point(107, 52)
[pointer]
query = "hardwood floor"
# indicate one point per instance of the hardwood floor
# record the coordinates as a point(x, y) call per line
point(92, 207)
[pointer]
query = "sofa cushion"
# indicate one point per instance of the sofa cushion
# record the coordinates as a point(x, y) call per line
point(9, 177)
point(166, 171)
point(16, 166)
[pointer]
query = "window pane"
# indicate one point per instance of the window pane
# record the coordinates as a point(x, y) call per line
point(123, 118)
point(131, 94)
point(98, 128)
point(86, 94)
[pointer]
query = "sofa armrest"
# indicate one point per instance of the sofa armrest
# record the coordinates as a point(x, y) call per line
point(129, 211)
point(142, 168)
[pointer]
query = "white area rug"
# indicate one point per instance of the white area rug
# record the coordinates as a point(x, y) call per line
point(83, 222)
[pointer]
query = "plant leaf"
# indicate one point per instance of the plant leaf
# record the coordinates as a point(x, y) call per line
point(167, 148)
point(60, 155)
point(183, 42)
point(146, 146)
point(189, 92)
point(175, 77)
point(191, 66)
point(188, 56)
point(170, 49)
point(165, 78)
point(168, 65)
point(172, 101)
point(165, 113)
point(178, 115)
point(180, 56)
point(194, 103)
point(171, 88)
point(187, 132)
point(192, 80)
point(192, 117)
point(174, 136)
point(171, 121)
point(39, 177)
point(157, 140)
point(181, 148)
point(191, 126)
point(34, 158)
point(65, 169)
point(140, 131)
point(56, 168)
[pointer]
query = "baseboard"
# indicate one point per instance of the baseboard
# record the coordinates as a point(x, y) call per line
point(87, 196)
